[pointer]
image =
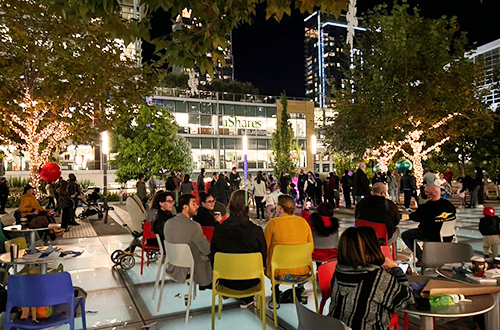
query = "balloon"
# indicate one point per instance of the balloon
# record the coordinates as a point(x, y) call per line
point(50, 172)
point(403, 165)
point(376, 167)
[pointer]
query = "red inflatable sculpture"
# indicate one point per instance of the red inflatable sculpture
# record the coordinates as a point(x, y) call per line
point(50, 172)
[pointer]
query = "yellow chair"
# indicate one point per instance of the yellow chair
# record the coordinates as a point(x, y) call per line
point(291, 257)
point(238, 266)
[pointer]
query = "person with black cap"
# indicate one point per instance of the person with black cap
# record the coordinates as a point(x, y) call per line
point(28, 204)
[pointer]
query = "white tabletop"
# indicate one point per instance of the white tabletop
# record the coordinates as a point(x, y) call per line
point(33, 259)
point(20, 229)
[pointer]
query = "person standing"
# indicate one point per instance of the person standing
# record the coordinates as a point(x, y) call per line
point(284, 182)
point(186, 185)
point(479, 190)
point(4, 194)
point(152, 185)
point(489, 227)
point(409, 188)
point(200, 183)
point(65, 203)
point(75, 192)
point(234, 179)
point(393, 187)
point(259, 188)
point(361, 183)
point(310, 188)
point(223, 189)
point(300, 185)
point(448, 175)
point(346, 182)
point(49, 189)
point(141, 189)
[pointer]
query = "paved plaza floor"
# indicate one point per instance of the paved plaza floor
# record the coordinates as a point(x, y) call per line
point(120, 299)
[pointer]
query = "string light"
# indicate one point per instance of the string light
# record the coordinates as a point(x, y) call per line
point(418, 151)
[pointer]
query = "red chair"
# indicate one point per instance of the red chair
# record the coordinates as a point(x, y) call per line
point(147, 233)
point(380, 231)
point(325, 276)
point(306, 215)
point(208, 232)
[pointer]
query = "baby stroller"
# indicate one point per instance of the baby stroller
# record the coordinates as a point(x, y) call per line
point(126, 259)
point(91, 206)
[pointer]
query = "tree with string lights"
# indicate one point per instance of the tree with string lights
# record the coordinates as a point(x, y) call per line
point(413, 89)
point(60, 79)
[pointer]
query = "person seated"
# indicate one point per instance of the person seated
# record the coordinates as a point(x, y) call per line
point(182, 230)
point(287, 229)
point(367, 287)
point(430, 217)
point(28, 204)
point(94, 197)
point(205, 215)
point(238, 235)
point(325, 230)
point(377, 208)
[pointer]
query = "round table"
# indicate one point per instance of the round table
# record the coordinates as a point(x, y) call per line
point(32, 232)
point(41, 262)
point(479, 305)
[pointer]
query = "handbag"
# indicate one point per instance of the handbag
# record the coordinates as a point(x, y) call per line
point(39, 221)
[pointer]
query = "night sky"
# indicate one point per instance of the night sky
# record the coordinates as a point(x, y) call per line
point(271, 55)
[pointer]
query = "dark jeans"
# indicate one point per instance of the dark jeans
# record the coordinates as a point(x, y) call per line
point(51, 203)
point(3, 202)
point(66, 217)
point(347, 198)
point(260, 207)
point(414, 234)
point(302, 195)
point(408, 194)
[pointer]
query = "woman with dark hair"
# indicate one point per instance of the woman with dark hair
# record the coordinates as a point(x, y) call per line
point(325, 229)
point(259, 191)
point(205, 215)
point(65, 203)
point(223, 189)
point(238, 235)
point(367, 287)
point(186, 185)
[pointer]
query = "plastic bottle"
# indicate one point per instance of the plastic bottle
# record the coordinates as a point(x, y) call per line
point(443, 300)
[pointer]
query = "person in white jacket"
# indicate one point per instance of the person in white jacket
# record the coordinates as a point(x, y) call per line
point(259, 191)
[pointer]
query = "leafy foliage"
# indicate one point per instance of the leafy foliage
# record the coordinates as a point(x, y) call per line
point(412, 69)
point(203, 43)
point(231, 87)
point(150, 144)
point(285, 149)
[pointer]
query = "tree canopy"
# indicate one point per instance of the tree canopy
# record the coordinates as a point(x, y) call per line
point(150, 145)
point(412, 72)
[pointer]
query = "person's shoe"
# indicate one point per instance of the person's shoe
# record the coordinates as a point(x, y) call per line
point(246, 305)
point(418, 264)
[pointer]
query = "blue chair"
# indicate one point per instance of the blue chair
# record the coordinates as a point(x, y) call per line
point(39, 291)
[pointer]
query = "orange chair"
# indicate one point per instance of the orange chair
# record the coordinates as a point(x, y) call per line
point(325, 276)
point(208, 232)
point(147, 233)
point(380, 231)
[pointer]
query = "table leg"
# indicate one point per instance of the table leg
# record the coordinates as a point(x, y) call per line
point(42, 268)
point(33, 239)
point(492, 318)
point(426, 323)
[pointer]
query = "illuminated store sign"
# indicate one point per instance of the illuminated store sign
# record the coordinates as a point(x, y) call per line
point(237, 122)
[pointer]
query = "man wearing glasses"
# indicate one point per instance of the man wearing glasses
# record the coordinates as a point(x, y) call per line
point(205, 216)
point(377, 208)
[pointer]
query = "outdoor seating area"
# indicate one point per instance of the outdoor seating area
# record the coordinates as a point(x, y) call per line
point(127, 299)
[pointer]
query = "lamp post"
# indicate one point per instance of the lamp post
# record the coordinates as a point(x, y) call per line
point(105, 151)
point(245, 164)
point(314, 150)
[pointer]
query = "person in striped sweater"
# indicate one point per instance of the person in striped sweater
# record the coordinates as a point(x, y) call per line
point(366, 287)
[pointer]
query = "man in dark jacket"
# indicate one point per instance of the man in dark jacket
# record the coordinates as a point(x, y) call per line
point(361, 183)
point(431, 217)
point(4, 194)
point(468, 183)
point(377, 208)
point(234, 179)
point(346, 182)
point(300, 185)
point(409, 188)
point(200, 183)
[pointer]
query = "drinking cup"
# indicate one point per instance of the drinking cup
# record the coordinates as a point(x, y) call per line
point(14, 251)
point(496, 262)
point(478, 266)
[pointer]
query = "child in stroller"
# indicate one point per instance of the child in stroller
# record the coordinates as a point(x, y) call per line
point(91, 206)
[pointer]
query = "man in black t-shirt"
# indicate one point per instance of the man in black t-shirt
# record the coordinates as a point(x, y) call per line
point(431, 217)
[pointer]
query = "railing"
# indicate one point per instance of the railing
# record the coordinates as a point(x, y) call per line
point(225, 96)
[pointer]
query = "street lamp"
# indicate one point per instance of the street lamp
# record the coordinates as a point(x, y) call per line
point(314, 150)
point(105, 152)
point(245, 164)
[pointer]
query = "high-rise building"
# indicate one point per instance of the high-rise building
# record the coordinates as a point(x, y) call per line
point(325, 59)
point(224, 72)
point(132, 10)
point(489, 56)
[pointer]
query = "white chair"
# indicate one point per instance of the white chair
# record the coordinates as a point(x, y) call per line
point(160, 265)
point(179, 255)
point(447, 230)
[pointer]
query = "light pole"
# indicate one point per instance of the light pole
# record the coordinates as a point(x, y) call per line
point(314, 150)
point(245, 164)
point(105, 151)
